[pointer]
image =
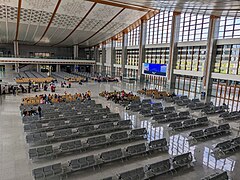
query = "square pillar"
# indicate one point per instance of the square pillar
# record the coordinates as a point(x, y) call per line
point(173, 51)
point(15, 48)
point(75, 51)
point(124, 53)
point(58, 68)
point(103, 61)
point(97, 59)
point(17, 67)
point(113, 56)
point(210, 56)
point(143, 36)
point(38, 68)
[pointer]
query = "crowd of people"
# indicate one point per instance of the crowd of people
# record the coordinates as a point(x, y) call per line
point(118, 96)
point(56, 98)
point(13, 89)
point(48, 99)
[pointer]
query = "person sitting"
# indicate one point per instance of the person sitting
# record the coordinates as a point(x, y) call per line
point(24, 112)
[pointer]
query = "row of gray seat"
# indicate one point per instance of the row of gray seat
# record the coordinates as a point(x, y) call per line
point(211, 132)
point(215, 109)
point(188, 124)
point(64, 134)
point(153, 170)
point(181, 100)
point(137, 105)
point(72, 112)
point(226, 147)
point(71, 146)
point(196, 104)
point(100, 159)
point(217, 176)
point(157, 112)
point(48, 172)
point(91, 116)
point(164, 118)
point(49, 107)
point(229, 116)
point(118, 154)
point(62, 124)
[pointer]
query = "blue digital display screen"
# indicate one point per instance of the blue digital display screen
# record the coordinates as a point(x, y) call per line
point(155, 69)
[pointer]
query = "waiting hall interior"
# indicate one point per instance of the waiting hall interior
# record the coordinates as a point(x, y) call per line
point(119, 90)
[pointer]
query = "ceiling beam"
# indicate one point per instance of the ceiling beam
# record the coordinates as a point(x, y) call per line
point(77, 25)
point(103, 26)
point(18, 18)
point(50, 22)
point(123, 5)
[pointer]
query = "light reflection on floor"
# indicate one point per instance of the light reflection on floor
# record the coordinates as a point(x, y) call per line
point(178, 144)
point(226, 164)
point(153, 132)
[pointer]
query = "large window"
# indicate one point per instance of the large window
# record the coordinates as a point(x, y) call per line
point(132, 57)
point(227, 92)
point(118, 54)
point(134, 37)
point(190, 86)
point(119, 41)
point(159, 28)
point(229, 27)
point(157, 55)
point(191, 58)
point(193, 27)
point(227, 59)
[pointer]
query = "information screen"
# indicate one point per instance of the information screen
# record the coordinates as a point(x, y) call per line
point(155, 69)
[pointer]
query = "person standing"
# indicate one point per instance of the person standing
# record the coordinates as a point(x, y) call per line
point(29, 89)
point(39, 111)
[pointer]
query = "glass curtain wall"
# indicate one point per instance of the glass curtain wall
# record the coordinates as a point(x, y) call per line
point(158, 33)
point(193, 27)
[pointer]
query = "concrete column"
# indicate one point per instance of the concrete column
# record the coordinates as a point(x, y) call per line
point(15, 48)
point(124, 54)
point(97, 58)
point(113, 56)
point(96, 54)
point(143, 36)
point(38, 68)
point(210, 56)
point(173, 51)
point(75, 51)
point(103, 69)
point(17, 67)
point(58, 69)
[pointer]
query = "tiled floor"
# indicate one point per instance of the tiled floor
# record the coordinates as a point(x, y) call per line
point(15, 165)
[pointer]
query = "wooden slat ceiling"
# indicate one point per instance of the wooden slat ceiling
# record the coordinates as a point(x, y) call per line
point(88, 22)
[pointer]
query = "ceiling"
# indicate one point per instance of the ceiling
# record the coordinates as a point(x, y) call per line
point(62, 22)
point(88, 22)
